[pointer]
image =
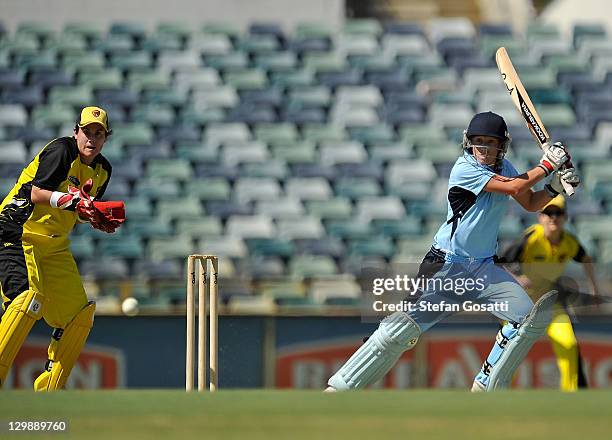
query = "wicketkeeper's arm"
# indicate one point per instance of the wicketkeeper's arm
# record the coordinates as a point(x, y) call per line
point(40, 196)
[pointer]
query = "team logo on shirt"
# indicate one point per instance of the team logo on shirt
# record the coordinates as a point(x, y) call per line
point(74, 180)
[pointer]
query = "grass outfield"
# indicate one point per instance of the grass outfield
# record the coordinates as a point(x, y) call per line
point(112, 415)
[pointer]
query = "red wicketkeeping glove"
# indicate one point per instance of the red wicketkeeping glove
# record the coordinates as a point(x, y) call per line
point(105, 216)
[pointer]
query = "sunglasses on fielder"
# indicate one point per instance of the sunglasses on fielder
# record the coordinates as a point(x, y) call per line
point(554, 212)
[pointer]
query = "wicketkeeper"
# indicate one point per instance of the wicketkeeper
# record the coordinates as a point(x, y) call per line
point(464, 248)
point(38, 275)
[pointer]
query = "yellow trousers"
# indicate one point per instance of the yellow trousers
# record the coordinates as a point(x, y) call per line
point(565, 345)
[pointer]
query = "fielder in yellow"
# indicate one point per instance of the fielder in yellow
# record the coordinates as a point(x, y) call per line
point(543, 253)
point(38, 275)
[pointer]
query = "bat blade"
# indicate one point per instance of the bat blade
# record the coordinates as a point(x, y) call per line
point(523, 104)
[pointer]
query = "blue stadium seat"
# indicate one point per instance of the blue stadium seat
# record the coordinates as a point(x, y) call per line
point(130, 168)
point(454, 47)
point(129, 246)
point(224, 209)
point(82, 247)
point(34, 135)
point(132, 29)
point(348, 229)
point(373, 246)
point(312, 266)
point(389, 80)
point(368, 169)
point(270, 247)
point(11, 170)
point(406, 227)
point(403, 28)
point(462, 62)
point(351, 77)
point(147, 228)
point(329, 246)
point(273, 29)
point(407, 100)
point(400, 115)
point(312, 170)
point(270, 97)
point(496, 29)
point(215, 169)
point(582, 31)
point(151, 152)
point(10, 77)
point(13, 152)
point(118, 189)
point(104, 268)
point(356, 187)
point(308, 115)
point(163, 270)
point(312, 44)
point(281, 61)
point(138, 207)
point(261, 267)
point(28, 96)
point(47, 78)
point(251, 114)
point(178, 133)
point(121, 97)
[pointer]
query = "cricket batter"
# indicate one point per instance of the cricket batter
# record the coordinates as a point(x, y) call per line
point(543, 253)
point(464, 247)
point(38, 275)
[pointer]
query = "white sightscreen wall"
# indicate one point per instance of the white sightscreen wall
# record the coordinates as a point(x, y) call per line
point(149, 12)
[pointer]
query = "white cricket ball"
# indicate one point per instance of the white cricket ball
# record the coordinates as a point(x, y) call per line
point(129, 306)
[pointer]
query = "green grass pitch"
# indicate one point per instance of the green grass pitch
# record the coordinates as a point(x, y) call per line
point(419, 414)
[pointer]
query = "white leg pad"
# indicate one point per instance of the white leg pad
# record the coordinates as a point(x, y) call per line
point(507, 354)
point(373, 360)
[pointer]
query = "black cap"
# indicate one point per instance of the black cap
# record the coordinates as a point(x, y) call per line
point(488, 124)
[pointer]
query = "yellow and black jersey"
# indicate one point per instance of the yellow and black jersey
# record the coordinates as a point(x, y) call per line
point(541, 261)
point(57, 166)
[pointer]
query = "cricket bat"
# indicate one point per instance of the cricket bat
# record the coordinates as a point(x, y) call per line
point(525, 106)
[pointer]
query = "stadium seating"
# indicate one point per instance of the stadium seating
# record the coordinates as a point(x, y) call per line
point(297, 154)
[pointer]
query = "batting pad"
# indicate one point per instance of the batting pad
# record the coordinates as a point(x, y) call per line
point(395, 334)
point(511, 347)
point(15, 326)
point(64, 353)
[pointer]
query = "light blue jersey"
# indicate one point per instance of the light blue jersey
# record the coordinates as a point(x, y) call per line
point(474, 215)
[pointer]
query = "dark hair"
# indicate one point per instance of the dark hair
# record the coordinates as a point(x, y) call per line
point(77, 126)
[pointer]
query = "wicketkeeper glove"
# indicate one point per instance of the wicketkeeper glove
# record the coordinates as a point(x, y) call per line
point(105, 216)
point(567, 175)
point(553, 158)
point(108, 215)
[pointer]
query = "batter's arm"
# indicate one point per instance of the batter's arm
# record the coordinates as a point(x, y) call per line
point(514, 186)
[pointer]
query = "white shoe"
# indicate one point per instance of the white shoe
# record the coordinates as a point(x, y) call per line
point(477, 387)
point(330, 390)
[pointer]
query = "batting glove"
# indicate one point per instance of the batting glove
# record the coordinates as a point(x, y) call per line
point(553, 158)
point(567, 175)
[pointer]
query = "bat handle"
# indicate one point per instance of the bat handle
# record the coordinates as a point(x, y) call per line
point(569, 189)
